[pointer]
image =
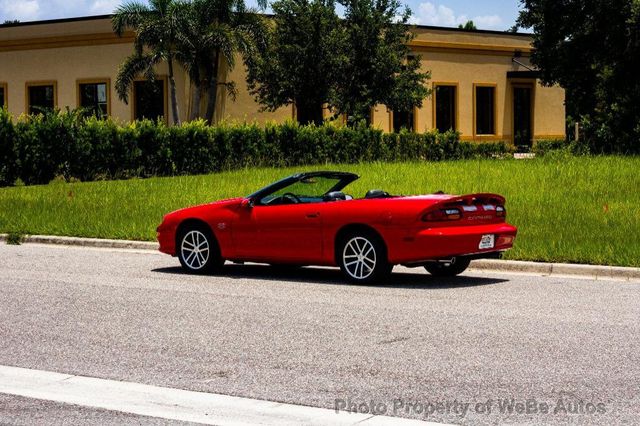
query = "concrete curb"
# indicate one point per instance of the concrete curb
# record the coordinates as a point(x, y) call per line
point(87, 242)
point(559, 269)
point(553, 269)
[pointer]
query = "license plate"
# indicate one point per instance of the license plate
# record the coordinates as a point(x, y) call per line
point(487, 242)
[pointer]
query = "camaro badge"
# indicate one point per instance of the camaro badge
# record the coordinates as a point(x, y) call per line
point(222, 226)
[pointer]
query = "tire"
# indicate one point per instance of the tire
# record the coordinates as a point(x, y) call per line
point(458, 266)
point(362, 257)
point(198, 250)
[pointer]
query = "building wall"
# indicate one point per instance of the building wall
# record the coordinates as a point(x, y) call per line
point(244, 108)
point(464, 70)
point(65, 66)
point(66, 52)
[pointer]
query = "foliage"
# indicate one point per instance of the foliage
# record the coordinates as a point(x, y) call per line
point(15, 238)
point(592, 49)
point(378, 67)
point(300, 62)
point(8, 165)
point(209, 33)
point(544, 146)
point(469, 26)
point(500, 149)
point(567, 209)
point(155, 39)
point(313, 59)
point(66, 144)
point(200, 35)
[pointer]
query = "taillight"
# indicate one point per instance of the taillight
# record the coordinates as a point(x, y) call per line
point(442, 215)
point(501, 211)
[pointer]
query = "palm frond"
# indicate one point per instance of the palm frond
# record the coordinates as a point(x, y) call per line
point(232, 90)
point(133, 67)
point(129, 16)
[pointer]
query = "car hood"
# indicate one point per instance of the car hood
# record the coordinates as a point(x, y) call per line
point(229, 202)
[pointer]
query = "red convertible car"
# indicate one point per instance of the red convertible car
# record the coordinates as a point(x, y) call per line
point(308, 219)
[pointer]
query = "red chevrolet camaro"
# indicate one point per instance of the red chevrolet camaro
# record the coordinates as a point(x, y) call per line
point(308, 219)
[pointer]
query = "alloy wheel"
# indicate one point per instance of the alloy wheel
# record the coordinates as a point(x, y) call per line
point(195, 250)
point(359, 258)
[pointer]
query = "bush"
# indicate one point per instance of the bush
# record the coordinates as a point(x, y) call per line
point(8, 164)
point(46, 145)
point(40, 147)
point(543, 146)
point(499, 149)
point(560, 146)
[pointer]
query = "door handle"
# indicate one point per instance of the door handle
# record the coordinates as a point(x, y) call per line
point(313, 215)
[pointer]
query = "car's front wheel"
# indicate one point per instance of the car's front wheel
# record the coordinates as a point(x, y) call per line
point(449, 269)
point(198, 250)
point(362, 257)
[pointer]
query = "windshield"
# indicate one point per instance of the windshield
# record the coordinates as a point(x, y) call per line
point(307, 190)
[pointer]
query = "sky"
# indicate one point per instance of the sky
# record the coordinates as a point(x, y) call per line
point(487, 14)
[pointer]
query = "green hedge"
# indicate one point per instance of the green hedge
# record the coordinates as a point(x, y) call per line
point(544, 147)
point(39, 148)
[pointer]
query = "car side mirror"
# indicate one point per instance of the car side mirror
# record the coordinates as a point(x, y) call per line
point(247, 203)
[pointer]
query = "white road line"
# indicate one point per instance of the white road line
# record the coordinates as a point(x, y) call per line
point(174, 404)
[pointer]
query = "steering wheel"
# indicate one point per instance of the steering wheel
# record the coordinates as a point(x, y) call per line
point(292, 197)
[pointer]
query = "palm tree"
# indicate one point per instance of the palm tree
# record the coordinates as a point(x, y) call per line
point(155, 35)
point(210, 32)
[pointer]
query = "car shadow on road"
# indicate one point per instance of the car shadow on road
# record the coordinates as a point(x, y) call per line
point(333, 276)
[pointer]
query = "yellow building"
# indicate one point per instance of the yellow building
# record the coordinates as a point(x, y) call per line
point(483, 83)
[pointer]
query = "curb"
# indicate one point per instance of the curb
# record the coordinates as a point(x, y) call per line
point(87, 242)
point(559, 269)
point(551, 269)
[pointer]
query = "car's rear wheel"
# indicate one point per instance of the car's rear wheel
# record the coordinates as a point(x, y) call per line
point(198, 250)
point(362, 257)
point(449, 269)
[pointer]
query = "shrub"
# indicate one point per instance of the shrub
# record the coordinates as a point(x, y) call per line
point(15, 238)
point(40, 147)
point(8, 164)
point(485, 149)
point(45, 146)
point(543, 146)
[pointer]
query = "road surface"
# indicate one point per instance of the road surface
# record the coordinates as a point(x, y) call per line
point(462, 351)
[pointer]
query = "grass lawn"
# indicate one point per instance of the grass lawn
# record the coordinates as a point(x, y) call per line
point(584, 210)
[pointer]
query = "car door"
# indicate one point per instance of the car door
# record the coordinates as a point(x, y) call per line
point(284, 233)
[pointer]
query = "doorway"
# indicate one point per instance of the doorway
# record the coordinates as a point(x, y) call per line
point(522, 116)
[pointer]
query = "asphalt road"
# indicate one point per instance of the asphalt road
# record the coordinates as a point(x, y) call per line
point(304, 337)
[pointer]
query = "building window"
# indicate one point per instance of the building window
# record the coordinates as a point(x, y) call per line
point(3, 95)
point(149, 100)
point(403, 120)
point(40, 97)
point(93, 98)
point(485, 110)
point(446, 107)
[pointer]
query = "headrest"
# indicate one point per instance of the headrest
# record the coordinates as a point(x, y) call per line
point(376, 193)
point(334, 196)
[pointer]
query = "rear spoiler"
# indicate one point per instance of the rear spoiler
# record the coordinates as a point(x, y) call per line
point(457, 207)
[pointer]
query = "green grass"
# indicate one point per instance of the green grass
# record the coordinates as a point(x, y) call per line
point(568, 209)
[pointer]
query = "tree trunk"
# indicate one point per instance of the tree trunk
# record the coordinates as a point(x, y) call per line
point(196, 99)
point(212, 90)
point(174, 95)
point(308, 113)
